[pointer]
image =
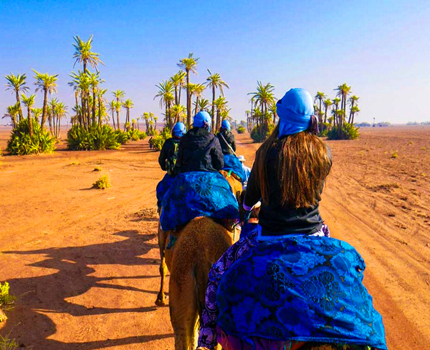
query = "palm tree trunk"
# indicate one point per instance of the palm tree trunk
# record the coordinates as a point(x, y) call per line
point(45, 108)
point(113, 119)
point(213, 109)
point(188, 99)
point(176, 95)
point(94, 106)
point(20, 116)
point(30, 125)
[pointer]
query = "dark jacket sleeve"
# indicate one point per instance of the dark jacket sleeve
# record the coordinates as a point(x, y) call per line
point(253, 193)
point(216, 155)
point(163, 156)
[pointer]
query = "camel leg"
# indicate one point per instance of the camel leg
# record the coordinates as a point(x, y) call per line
point(183, 309)
point(162, 236)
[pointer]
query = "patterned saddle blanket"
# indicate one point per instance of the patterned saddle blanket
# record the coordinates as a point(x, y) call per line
point(233, 164)
point(302, 288)
point(195, 194)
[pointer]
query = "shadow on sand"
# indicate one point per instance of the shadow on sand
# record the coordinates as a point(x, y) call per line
point(28, 323)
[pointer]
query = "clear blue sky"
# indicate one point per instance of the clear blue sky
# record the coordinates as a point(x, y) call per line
point(380, 48)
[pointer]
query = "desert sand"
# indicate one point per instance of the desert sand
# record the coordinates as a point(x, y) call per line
point(84, 262)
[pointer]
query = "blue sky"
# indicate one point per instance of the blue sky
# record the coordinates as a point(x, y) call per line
point(380, 48)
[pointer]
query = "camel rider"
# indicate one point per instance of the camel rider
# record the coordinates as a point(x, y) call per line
point(199, 150)
point(169, 152)
point(167, 160)
point(199, 189)
point(226, 138)
point(287, 284)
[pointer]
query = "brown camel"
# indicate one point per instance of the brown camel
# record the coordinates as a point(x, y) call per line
point(189, 253)
point(236, 188)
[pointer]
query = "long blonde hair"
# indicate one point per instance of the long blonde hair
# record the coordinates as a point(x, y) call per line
point(303, 165)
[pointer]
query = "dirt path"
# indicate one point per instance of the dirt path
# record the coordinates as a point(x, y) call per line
point(85, 261)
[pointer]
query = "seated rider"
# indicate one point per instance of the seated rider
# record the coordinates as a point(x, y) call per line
point(167, 160)
point(199, 189)
point(169, 152)
point(199, 150)
point(287, 284)
point(226, 138)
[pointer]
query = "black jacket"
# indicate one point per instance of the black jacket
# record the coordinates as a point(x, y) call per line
point(199, 150)
point(276, 219)
point(226, 138)
point(167, 152)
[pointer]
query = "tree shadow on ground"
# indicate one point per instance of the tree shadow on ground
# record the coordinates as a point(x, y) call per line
point(41, 295)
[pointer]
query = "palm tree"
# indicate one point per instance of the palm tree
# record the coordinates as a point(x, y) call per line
point(84, 55)
point(165, 93)
point(178, 113)
point(37, 112)
point(52, 106)
point(16, 83)
point(273, 110)
point(214, 81)
point(47, 84)
point(354, 110)
point(335, 103)
point(198, 91)
point(352, 103)
point(119, 95)
point(101, 103)
point(221, 105)
point(201, 105)
point(327, 103)
point(94, 81)
point(29, 102)
point(189, 64)
point(263, 98)
point(343, 91)
point(112, 109)
point(128, 104)
point(178, 83)
point(320, 96)
point(12, 113)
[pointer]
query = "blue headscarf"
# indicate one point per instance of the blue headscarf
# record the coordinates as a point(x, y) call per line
point(294, 111)
point(202, 120)
point(225, 125)
point(179, 129)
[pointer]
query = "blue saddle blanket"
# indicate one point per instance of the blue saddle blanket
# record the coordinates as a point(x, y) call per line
point(163, 186)
point(301, 288)
point(195, 194)
point(233, 164)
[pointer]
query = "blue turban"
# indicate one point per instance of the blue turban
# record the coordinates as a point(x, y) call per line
point(225, 125)
point(294, 111)
point(179, 129)
point(202, 120)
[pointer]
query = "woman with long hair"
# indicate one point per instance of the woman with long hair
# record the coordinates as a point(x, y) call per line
point(287, 284)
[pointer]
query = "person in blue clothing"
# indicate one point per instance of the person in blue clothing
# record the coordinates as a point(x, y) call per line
point(167, 160)
point(287, 284)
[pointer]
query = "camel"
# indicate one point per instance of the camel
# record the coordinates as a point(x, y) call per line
point(189, 252)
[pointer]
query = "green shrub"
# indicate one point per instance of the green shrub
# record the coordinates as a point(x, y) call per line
point(262, 132)
point(240, 129)
point(122, 137)
point(348, 132)
point(7, 300)
point(153, 132)
point(133, 135)
point(394, 155)
point(94, 138)
point(102, 183)
point(158, 141)
point(7, 344)
point(20, 142)
point(142, 135)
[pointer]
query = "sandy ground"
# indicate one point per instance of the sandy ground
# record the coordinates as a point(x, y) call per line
point(84, 262)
